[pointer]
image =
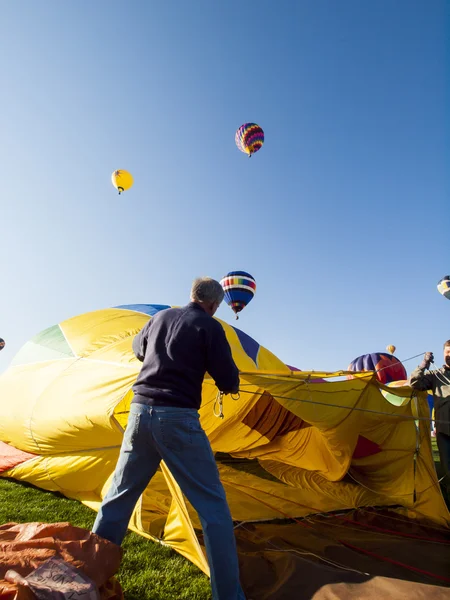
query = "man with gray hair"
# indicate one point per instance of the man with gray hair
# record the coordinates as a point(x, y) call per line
point(177, 347)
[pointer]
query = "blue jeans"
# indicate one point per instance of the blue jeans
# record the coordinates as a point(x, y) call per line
point(174, 435)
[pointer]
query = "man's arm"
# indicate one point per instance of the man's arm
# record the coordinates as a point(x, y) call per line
point(220, 363)
point(140, 342)
point(418, 380)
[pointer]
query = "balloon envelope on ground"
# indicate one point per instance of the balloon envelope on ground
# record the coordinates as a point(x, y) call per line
point(289, 447)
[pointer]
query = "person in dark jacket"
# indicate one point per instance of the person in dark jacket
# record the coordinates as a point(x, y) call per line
point(177, 347)
point(439, 382)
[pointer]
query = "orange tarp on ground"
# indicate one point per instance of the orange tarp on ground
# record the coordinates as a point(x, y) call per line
point(12, 457)
point(25, 547)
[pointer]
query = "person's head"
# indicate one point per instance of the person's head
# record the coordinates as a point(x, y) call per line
point(208, 293)
point(447, 353)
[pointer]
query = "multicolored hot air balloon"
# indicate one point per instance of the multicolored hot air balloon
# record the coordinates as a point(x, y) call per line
point(390, 349)
point(249, 138)
point(387, 367)
point(392, 398)
point(398, 400)
point(2, 343)
point(239, 288)
point(444, 287)
point(122, 180)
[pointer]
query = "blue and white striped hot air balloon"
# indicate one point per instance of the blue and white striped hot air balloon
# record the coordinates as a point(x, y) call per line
point(239, 288)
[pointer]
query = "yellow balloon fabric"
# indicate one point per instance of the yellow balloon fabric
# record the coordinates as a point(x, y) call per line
point(390, 349)
point(284, 449)
point(122, 180)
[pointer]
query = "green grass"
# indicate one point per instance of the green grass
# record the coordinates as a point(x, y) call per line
point(148, 571)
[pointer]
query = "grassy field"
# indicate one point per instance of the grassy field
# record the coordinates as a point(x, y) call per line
point(148, 571)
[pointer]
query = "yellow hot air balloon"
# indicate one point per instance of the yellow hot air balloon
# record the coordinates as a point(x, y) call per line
point(73, 446)
point(390, 349)
point(122, 180)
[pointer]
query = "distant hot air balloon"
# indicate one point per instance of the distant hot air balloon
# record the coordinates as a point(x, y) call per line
point(122, 180)
point(398, 400)
point(390, 349)
point(444, 286)
point(387, 367)
point(2, 343)
point(239, 288)
point(392, 398)
point(249, 138)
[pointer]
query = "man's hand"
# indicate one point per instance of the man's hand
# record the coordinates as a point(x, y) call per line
point(427, 360)
point(232, 392)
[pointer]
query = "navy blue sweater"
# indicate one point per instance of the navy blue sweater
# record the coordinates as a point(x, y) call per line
point(177, 347)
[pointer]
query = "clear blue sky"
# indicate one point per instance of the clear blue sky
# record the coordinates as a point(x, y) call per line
point(342, 217)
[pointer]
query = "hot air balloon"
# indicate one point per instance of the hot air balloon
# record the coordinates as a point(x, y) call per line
point(444, 286)
point(398, 400)
point(2, 343)
point(249, 138)
point(239, 288)
point(387, 367)
point(72, 446)
point(392, 398)
point(122, 180)
point(390, 349)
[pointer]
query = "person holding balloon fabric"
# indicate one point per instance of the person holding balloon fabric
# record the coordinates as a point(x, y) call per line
point(439, 382)
point(177, 347)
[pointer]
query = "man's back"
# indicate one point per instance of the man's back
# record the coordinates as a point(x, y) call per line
point(177, 347)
